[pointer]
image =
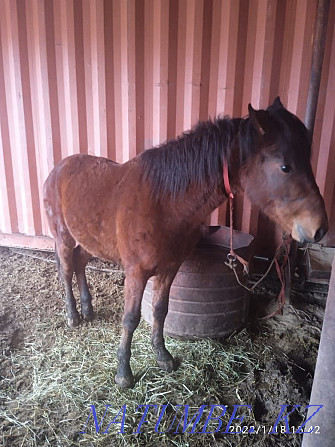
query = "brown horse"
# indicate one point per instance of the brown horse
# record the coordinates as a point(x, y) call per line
point(146, 214)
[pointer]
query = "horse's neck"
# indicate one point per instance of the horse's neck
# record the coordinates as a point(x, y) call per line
point(198, 202)
point(210, 200)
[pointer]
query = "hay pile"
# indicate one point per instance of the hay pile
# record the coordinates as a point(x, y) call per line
point(78, 371)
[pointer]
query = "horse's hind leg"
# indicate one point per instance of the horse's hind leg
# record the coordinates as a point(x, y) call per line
point(134, 288)
point(80, 260)
point(160, 302)
point(64, 256)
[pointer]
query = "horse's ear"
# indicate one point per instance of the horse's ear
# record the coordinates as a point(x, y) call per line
point(277, 103)
point(257, 119)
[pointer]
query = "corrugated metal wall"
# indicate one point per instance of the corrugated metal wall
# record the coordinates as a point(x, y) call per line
point(113, 78)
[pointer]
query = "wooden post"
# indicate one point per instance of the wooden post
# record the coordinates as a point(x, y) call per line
point(323, 390)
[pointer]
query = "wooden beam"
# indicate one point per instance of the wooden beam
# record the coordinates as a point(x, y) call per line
point(24, 241)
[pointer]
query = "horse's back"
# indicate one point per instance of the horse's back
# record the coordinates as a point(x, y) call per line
point(76, 172)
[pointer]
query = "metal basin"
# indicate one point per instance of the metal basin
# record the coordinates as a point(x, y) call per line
point(205, 299)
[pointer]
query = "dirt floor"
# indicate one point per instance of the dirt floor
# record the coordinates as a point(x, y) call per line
point(279, 370)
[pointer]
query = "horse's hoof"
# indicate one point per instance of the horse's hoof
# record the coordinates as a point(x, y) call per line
point(124, 381)
point(167, 365)
point(73, 322)
point(88, 316)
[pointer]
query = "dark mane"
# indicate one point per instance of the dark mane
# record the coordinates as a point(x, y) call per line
point(196, 156)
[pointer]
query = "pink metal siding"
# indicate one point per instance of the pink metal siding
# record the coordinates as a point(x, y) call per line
point(113, 78)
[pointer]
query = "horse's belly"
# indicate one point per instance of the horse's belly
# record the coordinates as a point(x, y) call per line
point(94, 238)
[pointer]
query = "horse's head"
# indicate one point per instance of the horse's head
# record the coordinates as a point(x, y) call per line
point(277, 174)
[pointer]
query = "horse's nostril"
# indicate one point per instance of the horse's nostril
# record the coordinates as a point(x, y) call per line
point(320, 233)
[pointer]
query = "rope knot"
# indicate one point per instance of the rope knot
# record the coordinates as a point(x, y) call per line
point(231, 261)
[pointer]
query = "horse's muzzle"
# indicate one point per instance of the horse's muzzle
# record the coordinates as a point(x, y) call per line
point(300, 235)
point(320, 233)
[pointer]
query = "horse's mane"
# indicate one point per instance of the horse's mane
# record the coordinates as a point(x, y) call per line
point(194, 157)
point(197, 155)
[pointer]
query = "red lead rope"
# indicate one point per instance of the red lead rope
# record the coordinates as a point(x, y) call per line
point(281, 251)
point(226, 179)
point(232, 255)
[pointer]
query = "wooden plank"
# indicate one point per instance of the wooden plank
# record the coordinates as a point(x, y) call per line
point(323, 391)
point(22, 240)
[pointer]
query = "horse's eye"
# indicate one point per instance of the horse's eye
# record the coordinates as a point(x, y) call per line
point(286, 168)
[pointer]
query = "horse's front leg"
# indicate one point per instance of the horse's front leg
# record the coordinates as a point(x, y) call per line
point(134, 287)
point(160, 302)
